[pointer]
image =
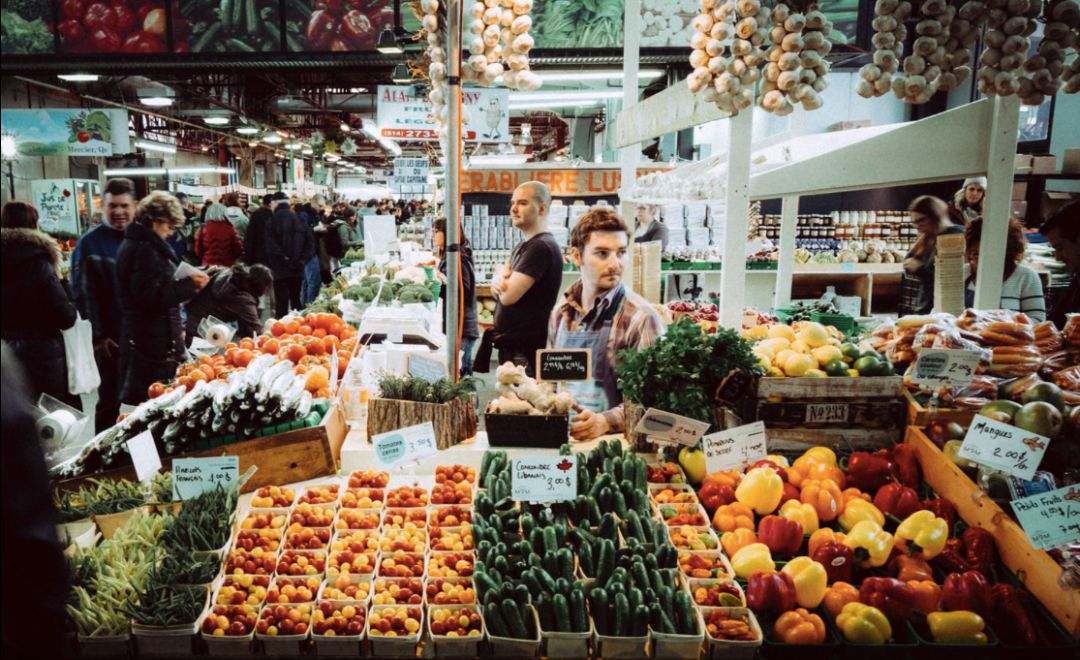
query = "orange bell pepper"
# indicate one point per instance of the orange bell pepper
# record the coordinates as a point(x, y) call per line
point(798, 626)
point(823, 536)
point(825, 496)
point(856, 494)
point(722, 478)
point(736, 540)
point(838, 595)
point(910, 568)
point(730, 517)
point(808, 466)
point(927, 595)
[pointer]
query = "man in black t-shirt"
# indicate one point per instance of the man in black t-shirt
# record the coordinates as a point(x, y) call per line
point(529, 284)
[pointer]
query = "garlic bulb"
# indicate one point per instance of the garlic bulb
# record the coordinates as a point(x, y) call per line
point(1009, 23)
point(888, 42)
point(797, 66)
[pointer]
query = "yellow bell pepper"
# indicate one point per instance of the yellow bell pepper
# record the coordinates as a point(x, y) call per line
point(853, 493)
point(782, 461)
point(821, 455)
point(821, 537)
point(959, 627)
point(825, 496)
point(856, 511)
point(761, 490)
point(925, 533)
point(871, 543)
point(810, 580)
point(754, 558)
point(804, 514)
point(863, 624)
point(736, 540)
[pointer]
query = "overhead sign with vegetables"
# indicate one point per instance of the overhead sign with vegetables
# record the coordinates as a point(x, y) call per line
point(68, 131)
point(26, 27)
point(336, 25)
point(227, 26)
point(118, 26)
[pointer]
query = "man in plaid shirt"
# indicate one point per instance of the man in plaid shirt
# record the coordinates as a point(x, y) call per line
point(601, 314)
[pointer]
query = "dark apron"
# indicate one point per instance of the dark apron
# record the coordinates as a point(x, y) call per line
point(601, 393)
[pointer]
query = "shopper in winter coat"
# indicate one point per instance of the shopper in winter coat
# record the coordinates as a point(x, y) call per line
point(289, 247)
point(350, 230)
point(36, 301)
point(238, 218)
point(311, 214)
point(469, 331)
point(967, 203)
point(255, 236)
point(930, 216)
point(93, 282)
point(232, 296)
point(150, 297)
point(217, 243)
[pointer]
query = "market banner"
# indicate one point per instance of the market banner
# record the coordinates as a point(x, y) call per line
point(403, 115)
point(68, 131)
point(568, 182)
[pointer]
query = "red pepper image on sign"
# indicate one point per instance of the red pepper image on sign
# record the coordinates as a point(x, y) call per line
point(67, 193)
point(565, 465)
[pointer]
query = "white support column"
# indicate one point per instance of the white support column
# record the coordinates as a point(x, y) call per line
point(785, 266)
point(737, 200)
point(630, 154)
point(451, 205)
point(996, 207)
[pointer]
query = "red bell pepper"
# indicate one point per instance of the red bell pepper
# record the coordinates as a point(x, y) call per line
point(320, 29)
point(125, 18)
point(99, 16)
point(784, 536)
point(71, 31)
point(951, 559)
point(772, 466)
point(142, 42)
point(714, 495)
point(770, 592)
point(894, 598)
point(1012, 616)
point(907, 465)
point(897, 500)
point(790, 493)
point(979, 549)
point(357, 30)
point(105, 40)
point(838, 560)
point(969, 590)
point(941, 508)
point(869, 472)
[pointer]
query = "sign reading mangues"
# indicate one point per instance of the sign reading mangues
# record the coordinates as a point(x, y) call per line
point(401, 114)
point(67, 131)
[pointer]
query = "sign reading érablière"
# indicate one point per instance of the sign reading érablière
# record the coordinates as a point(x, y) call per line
point(1004, 447)
point(563, 364)
point(544, 478)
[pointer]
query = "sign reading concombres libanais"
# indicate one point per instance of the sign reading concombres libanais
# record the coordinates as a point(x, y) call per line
point(402, 114)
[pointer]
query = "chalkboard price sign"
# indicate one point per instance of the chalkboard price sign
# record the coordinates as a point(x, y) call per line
point(564, 364)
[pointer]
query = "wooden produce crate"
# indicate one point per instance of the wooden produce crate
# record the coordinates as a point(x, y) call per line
point(918, 415)
point(454, 421)
point(857, 413)
point(1035, 568)
point(281, 458)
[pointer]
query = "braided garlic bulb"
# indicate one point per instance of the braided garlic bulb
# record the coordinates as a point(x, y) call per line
point(889, 34)
point(1010, 23)
point(1046, 68)
point(499, 42)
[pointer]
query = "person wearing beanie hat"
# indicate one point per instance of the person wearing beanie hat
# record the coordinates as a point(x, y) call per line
point(967, 203)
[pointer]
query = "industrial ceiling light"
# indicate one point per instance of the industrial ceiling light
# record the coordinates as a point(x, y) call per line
point(160, 147)
point(388, 43)
point(156, 101)
point(541, 105)
point(248, 130)
point(79, 77)
point(200, 169)
point(294, 146)
point(345, 128)
point(307, 151)
point(333, 158)
point(273, 138)
point(204, 147)
point(611, 74)
point(216, 120)
point(136, 171)
point(565, 95)
point(401, 74)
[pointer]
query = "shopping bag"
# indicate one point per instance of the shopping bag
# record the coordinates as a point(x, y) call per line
point(82, 371)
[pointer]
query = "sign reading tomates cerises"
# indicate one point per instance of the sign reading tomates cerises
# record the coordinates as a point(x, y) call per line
point(569, 182)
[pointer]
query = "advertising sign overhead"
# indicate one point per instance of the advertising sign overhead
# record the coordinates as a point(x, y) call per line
point(403, 115)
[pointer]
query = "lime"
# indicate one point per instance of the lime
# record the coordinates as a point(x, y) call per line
point(866, 364)
point(850, 352)
point(836, 369)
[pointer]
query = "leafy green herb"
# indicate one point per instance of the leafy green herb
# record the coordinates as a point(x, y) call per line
point(205, 522)
point(411, 388)
point(99, 498)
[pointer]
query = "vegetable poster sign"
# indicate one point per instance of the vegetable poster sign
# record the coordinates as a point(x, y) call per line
point(403, 115)
point(55, 201)
point(68, 131)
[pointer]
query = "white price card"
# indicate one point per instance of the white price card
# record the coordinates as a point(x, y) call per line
point(144, 455)
point(412, 443)
point(428, 367)
point(194, 476)
point(1050, 519)
point(734, 449)
point(939, 367)
point(671, 427)
point(1003, 447)
point(544, 478)
point(826, 413)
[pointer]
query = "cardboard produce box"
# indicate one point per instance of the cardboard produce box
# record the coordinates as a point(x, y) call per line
point(1044, 164)
point(1070, 164)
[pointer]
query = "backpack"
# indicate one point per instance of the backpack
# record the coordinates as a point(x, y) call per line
point(332, 242)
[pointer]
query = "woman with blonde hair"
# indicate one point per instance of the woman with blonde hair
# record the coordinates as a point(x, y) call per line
point(150, 296)
point(967, 203)
point(930, 216)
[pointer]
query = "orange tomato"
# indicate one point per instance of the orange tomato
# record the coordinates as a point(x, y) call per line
point(243, 357)
point(296, 353)
point(247, 343)
point(310, 319)
point(292, 326)
point(270, 346)
point(323, 393)
point(204, 359)
point(336, 328)
point(277, 328)
point(155, 390)
point(208, 370)
point(305, 330)
point(315, 348)
point(196, 375)
point(230, 355)
point(318, 332)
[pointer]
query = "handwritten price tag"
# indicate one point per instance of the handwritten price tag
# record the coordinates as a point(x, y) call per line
point(734, 449)
point(1003, 447)
point(544, 479)
point(826, 413)
point(670, 427)
point(939, 367)
point(429, 368)
point(1050, 519)
point(412, 443)
point(194, 476)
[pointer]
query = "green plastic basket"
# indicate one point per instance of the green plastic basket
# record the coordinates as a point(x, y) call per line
point(842, 322)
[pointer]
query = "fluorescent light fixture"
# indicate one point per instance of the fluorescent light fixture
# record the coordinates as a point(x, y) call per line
point(9, 148)
point(551, 104)
point(273, 138)
point(215, 120)
point(79, 77)
point(294, 146)
point(200, 169)
point(392, 147)
point(401, 75)
point(307, 151)
point(333, 158)
point(345, 128)
point(161, 147)
point(247, 130)
point(612, 74)
point(499, 159)
point(156, 101)
point(388, 43)
point(578, 95)
point(136, 171)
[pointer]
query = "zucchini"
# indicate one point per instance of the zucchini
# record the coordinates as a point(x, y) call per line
point(621, 627)
point(640, 626)
point(598, 605)
point(561, 609)
point(515, 624)
point(494, 620)
point(684, 611)
point(579, 619)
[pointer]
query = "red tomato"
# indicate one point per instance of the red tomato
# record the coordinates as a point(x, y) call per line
point(99, 16)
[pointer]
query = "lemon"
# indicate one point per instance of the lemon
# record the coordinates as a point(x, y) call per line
point(826, 354)
point(798, 364)
point(781, 331)
point(815, 373)
point(853, 373)
point(773, 372)
point(800, 346)
point(814, 334)
point(757, 332)
point(782, 357)
point(776, 344)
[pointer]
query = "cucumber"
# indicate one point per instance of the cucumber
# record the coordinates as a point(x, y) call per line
point(641, 476)
point(535, 560)
point(665, 596)
point(618, 504)
point(561, 609)
point(566, 563)
point(551, 540)
point(606, 561)
point(585, 558)
point(484, 584)
point(514, 621)
point(562, 586)
point(636, 598)
point(655, 579)
point(562, 524)
point(640, 626)
point(618, 576)
point(593, 512)
point(207, 37)
point(544, 609)
point(684, 611)
point(501, 564)
point(522, 595)
point(608, 527)
point(659, 533)
point(621, 627)
point(656, 617)
point(251, 17)
point(530, 581)
point(633, 526)
point(238, 12)
point(494, 620)
point(528, 524)
point(640, 575)
point(617, 469)
point(598, 605)
point(606, 498)
point(579, 619)
point(551, 564)
point(651, 563)
point(485, 465)
point(536, 539)
point(226, 9)
point(544, 578)
point(584, 480)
